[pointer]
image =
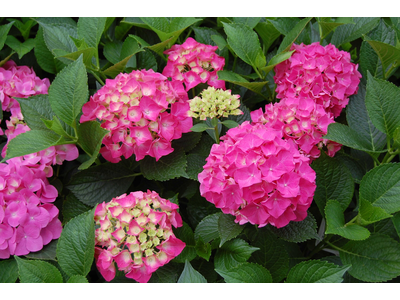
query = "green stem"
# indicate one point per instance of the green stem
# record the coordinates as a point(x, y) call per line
point(216, 133)
point(351, 221)
point(390, 70)
point(97, 77)
point(320, 246)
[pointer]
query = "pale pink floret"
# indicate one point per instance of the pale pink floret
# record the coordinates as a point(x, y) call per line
point(132, 107)
point(258, 177)
point(146, 243)
point(194, 63)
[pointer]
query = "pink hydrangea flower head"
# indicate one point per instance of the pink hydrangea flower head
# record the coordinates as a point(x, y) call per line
point(214, 103)
point(259, 177)
point(20, 82)
point(143, 111)
point(323, 74)
point(194, 63)
point(134, 234)
point(301, 120)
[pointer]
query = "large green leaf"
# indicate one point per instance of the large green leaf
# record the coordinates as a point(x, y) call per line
point(32, 141)
point(245, 43)
point(69, 91)
point(314, 271)
point(34, 109)
point(335, 223)
point(19, 47)
point(292, 35)
point(381, 187)
point(326, 26)
point(368, 213)
point(186, 235)
point(272, 255)
point(207, 229)
point(77, 279)
point(227, 228)
point(167, 167)
point(232, 254)
point(91, 30)
point(58, 36)
point(9, 270)
point(246, 273)
point(334, 182)
point(72, 207)
point(4, 29)
point(101, 183)
point(297, 232)
point(75, 249)
point(375, 259)
point(37, 271)
point(267, 32)
point(277, 59)
point(386, 53)
point(349, 32)
point(190, 275)
point(228, 76)
point(48, 252)
point(44, 56)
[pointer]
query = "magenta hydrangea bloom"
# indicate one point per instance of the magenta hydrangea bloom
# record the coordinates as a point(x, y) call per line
point(323, 74)
point(194, 63)
point(301, 120)
point(28, 219)
point(143, 111)
point(20, 82)
point(134, 234)
point(258, 176)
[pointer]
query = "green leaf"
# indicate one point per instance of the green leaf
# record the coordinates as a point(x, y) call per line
point(34, 109)
point(20, 48)
point(67, 58)
point(284, 25)
point(297, 232)
point(9, 270)
point(44, 56)
point(185, 234)
point(350, 32)
point(232, 254)
point(188, 141)
point(205, 35)
point(91, 30)
point(268, 33)
point(326, 26)
point(32, 141)
point(37, 271)
point(272, 255)
point(383, 104)
point(112, 51)
point(227, 228)
point(359, 120)
point(369, 61)
point(168, 273)
point(190, 275)
point(334, 182)
point(381, 187)
point(77, 279)
point(90, 137)
point(230, 123)
point(101, 183)
point(203, 249)
point(75, 249)
point(352, 138)
point(396, 223)
point(167, 167)
point(335, 223)
point(207, 229)
point(277, 59)
point(72, 207)
point(369, 214)
point(228, 76)
point(376, 259)
point(219, 41)
point(294, 33)
point(48, 252)
point(119, 67)
point(56, 126)
point(4, 29)
point(386, 53)
point(313, 271)
point(58, 36)
point(244, 42)
point(246, 273)
point(200, 127)
point(69, 91)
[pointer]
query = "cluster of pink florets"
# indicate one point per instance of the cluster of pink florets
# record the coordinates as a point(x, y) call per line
point(194, 63)
point(135, 232)
point(28, 219)
point(258, 177)
point(143, 111)
point(323, 74)
point(314, 85)
point(20, 82)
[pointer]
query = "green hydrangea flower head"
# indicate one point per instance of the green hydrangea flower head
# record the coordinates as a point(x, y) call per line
point(214, 103)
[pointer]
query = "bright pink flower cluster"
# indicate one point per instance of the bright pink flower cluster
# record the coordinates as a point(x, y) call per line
point(301, 120)
point(143, 111)
point(323, 74)
point(194, 63)
point(135, 232)
point(20, 82)
point(258, 177)
point(28, 219)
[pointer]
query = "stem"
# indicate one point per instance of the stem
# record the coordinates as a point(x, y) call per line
point(216, 133)
point(97, 77)
point(390, 70)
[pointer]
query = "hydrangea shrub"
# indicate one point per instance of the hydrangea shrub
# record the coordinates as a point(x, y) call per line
point(199, 150)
